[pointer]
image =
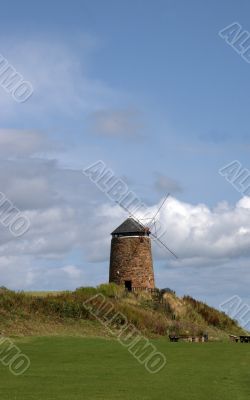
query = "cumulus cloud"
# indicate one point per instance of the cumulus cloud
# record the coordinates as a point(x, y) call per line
point(28, 274)
point(68, 242)
point(68, 214)
point(206, 235)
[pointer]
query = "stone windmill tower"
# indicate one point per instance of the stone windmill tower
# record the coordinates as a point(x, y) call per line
point(131, 263)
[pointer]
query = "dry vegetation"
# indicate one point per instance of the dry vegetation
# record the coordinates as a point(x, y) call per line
point(64, 313)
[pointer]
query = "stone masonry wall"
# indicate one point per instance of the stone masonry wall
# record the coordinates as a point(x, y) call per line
point(131, 260)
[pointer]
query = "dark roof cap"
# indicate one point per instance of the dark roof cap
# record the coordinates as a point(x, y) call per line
point(130, 225)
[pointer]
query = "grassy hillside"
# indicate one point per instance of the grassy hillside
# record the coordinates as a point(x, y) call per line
point(64, 313)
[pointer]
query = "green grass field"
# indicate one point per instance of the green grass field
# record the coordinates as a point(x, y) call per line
point(82, 368)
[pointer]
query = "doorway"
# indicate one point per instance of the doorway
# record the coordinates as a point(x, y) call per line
point(128, 286)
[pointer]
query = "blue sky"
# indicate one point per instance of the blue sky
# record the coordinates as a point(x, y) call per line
point(151, 89)
point(166, 61)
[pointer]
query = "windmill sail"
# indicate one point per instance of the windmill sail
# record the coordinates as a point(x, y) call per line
point(160, 242)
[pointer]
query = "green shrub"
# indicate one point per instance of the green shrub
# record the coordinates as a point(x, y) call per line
point(111, 290)
point(86, 291)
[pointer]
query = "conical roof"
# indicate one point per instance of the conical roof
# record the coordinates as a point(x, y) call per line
point(130, 225)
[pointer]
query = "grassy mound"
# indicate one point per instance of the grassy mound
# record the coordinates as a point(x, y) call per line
point(159, 314)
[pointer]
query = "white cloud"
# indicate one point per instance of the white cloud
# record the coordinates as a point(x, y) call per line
point(25, 273)
point(69, 214)
point(198, 232)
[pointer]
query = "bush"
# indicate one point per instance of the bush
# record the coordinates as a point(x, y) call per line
point(111, 290)
point(86, 291)
point(167, 290)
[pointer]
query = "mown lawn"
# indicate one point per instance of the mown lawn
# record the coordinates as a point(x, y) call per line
point(81, 368)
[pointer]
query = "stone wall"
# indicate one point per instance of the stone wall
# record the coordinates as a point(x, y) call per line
point(131, 260)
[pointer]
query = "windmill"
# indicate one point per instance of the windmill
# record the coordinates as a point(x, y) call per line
point(153, 223)
point(131, 263)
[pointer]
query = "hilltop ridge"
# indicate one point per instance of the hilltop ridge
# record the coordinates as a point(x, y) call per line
point(155, 314)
